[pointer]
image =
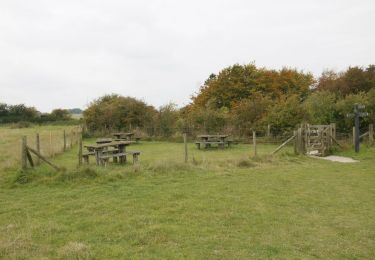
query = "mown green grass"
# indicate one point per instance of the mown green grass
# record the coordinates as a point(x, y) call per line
point(221, 205)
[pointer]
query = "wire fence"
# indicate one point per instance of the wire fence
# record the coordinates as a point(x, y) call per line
point(49, 141)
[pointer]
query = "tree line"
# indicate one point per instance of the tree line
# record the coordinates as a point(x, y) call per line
point(22, 113)
point(245, 98)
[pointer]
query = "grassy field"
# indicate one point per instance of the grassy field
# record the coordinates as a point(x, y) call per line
point(51, 140)
point(221, 205)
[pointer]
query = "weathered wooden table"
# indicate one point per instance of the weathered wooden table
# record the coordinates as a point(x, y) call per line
point(125, 136)
point(102, 151)
point(104, 140)
point(207, 140)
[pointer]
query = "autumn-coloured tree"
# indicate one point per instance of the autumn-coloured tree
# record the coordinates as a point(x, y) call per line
point(239, 82)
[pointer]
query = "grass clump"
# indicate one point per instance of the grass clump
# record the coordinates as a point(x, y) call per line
point(245, 163)
point(75, 250)
point(80, 173)
point(169, 166)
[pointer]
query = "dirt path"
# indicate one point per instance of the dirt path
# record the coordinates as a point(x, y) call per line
point(335, 158)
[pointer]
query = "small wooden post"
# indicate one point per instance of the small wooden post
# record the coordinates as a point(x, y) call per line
point(80, 151)
point(295, 142)
point(353, 135)
point(37, 141)
point(23, 152)
point(371, 134)
point(64, 141)
point(299, 141)
point(333, 125)
point(268, 130)
point(186, 148)
point(50, 144)
point(71, 139)
point(255, 143)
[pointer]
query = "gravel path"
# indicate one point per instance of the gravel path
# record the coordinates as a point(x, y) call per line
point(335, 158)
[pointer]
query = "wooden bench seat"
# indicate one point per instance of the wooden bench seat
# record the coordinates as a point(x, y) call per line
point(105, 157)
point(85, 156)
point(220, 144)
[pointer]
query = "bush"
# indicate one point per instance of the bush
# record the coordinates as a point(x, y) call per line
point(21, 124)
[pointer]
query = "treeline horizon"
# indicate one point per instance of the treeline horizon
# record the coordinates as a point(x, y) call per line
point(22, 113)
point(245, 98)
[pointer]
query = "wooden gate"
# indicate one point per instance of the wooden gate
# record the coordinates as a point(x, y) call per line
point(318, 139)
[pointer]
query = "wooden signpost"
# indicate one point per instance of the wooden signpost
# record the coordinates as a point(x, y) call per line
point(357, 114)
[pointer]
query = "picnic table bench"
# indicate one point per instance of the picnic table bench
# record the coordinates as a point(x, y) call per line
point(207, 141)
point(115, 149)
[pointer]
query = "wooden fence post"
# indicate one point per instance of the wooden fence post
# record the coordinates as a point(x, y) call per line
point(186, 148)
point(80, 151)
point(353, 136)
point(50, 144)
point(299, 141)
point(64, 141)
point(37, 142)
point(295, 142)
point(268, 130)
point(71, 139)
point(371, 134)
point(333, 125)
point(255, 143)
point(23, 152)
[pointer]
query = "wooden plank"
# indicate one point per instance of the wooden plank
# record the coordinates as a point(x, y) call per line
point(283, 144)
point(363, 135)
point(334, 139)
point(29, 158)
point(371, 134)
point(42, 158)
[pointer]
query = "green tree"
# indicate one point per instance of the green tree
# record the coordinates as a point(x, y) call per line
point(60, 115)
point(320, 107)
point(248, 113)
point(345, 106)
point(286, 114)
point(118, 112)
point(167, 118)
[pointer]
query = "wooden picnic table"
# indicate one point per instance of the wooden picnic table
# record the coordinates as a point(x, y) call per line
point(207, 140)
point(127, 136)
point(104, 140)
point(99, 149)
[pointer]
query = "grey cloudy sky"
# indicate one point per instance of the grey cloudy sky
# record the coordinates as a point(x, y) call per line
point(66, 53)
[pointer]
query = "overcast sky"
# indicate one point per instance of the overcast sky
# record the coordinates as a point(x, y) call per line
point(64, 54)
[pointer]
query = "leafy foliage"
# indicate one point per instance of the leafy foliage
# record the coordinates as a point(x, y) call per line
point(118, 112)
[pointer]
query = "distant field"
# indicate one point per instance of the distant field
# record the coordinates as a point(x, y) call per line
point(77, 116)
point(10, 142)
point(223, 204)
